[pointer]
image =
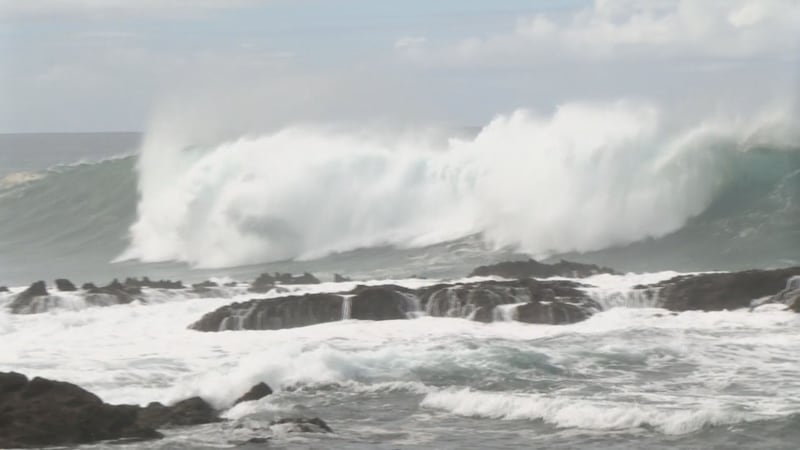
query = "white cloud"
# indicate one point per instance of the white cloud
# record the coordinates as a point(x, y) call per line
point(619, 29)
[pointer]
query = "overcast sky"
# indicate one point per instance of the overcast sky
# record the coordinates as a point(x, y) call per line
point(98, 65)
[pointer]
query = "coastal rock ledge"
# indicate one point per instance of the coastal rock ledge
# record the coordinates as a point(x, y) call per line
point(41, 412)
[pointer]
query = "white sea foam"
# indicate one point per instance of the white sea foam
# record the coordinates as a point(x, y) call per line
point(526, 181)
point(583, 413)
point(139, 353)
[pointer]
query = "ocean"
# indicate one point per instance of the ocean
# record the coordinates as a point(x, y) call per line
point(92, 207)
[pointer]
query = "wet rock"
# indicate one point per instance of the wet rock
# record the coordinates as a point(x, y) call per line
point(205, 285)
point(65, 285)
point(718, 291)
point(148, 283)
point(265, 282)
point(32, 300)
point(382, 303)
point(88, 286)
point(4, 289)
point(555, 312)
point(340, 278)
point(192, 411)
point(478, 301)
point(301, 425)
point(256, 392)
point(273, 314)
point(536, 269)
point(42, 412)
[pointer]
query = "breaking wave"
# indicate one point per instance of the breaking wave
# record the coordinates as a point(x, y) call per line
point(590, 176)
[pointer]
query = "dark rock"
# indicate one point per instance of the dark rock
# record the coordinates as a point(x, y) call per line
point(256, 392)
point(88, 286)
point(266, 282)
point(718, 291)
point(300, 425)
point(340, 278)
point(535, 269)
point(555, 312)
point(32, 300)
point(65, 285)
point(273, 314)
point(192, 411)
point(148, 283)
point(381, 303)
point(790, 295)
point(4, 289)
point(205, 285)
point(41, 412)
point(478, 301)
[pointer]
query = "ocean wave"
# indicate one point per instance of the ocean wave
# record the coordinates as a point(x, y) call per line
point(570, 412)
point(525, 181)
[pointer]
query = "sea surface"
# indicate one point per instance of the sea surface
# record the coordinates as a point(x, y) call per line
point(93, 207)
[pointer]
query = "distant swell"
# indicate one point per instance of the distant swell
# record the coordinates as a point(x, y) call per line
point(586, 178)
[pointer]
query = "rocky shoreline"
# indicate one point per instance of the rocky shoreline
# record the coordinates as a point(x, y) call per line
point(525, 291)
point(40, 412)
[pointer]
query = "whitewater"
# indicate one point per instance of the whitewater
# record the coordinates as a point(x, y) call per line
point(631, 376)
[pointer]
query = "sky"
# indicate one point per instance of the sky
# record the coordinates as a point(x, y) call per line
point(114, 65)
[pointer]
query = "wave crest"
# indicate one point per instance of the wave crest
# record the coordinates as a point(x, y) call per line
point(586, 178)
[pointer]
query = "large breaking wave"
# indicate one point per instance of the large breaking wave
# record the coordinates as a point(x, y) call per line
point(588, 177)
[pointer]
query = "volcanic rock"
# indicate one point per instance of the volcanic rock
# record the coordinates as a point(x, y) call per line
point(273, 314)
point(65, 285)
point(256, 392)
point(381, 303)
point(42, 412)
point(726, 290)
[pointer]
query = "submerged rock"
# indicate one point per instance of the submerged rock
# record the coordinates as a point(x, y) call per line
point(536, 269)
point(256, 392)
point(302, 425)
point(65, 285)
point(726, 290)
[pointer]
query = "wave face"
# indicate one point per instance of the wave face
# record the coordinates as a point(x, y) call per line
point(586, 178)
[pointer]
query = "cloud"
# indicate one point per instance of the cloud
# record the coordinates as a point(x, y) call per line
point(628, 29)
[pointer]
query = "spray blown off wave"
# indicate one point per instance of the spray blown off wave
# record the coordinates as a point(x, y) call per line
point(586, 178)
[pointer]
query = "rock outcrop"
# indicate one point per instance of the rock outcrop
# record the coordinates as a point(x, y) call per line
point(556, 302)
point(4, 289)
point(27, 301)
point(256, 392)
point(725, 290)
point(64, 285)
point(273, 314)
point(536, 269)
point(135, 283)
point(381, 303)
point(266, 282)
point(340, 278)
point(41, 412)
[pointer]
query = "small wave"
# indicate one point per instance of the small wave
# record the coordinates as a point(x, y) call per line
point(568, 412)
